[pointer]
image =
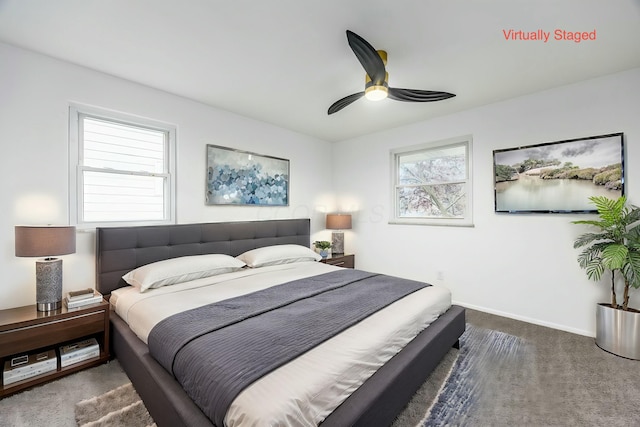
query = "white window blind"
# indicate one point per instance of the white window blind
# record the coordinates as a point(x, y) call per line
point(123, 170)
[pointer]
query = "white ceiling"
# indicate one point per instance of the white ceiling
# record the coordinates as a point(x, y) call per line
point(286, 61)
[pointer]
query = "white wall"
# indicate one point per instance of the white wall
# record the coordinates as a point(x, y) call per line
point(35, 92)
point(520, 266)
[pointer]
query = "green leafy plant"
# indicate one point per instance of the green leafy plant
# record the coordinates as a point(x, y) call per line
point(322, 244)
point(615, 247)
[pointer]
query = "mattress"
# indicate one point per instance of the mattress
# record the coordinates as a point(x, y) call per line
point(307, 389)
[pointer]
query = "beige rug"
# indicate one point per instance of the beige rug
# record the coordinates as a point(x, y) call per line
point(120, 407)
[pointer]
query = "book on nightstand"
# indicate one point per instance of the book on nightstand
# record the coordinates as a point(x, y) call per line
point(92, 298)
point(25, 366)
point(78, 352)
point(80, 295)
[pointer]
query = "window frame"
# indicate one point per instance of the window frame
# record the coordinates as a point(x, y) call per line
point(396, 154)
point(76, 166)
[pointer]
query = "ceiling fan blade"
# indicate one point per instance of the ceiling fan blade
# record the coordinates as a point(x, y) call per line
point(368, 57)
point(340, 104)
point(416, 95)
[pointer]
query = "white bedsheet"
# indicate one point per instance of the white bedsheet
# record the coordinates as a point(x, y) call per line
point(309, 388)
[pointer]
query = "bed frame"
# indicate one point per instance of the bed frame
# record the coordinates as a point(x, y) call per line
point(121, 249)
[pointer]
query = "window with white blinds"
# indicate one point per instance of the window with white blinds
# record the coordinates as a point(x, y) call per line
point(123, 169)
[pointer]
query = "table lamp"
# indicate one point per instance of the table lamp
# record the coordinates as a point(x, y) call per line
point(338, 222)
point(46, 241)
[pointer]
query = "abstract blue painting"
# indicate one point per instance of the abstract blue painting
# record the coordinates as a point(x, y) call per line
point(237, 177)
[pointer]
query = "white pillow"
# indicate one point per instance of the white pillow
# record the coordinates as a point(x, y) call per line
point(181, 269)
point(278, 254)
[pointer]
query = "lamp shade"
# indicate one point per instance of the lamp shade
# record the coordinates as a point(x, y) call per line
point(339, 221)
point(45, 241)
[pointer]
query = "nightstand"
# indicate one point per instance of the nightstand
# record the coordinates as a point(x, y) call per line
point(26, 330)
point(344, 260)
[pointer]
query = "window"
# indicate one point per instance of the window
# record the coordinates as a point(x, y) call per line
point(431, 183)
point(122, 169)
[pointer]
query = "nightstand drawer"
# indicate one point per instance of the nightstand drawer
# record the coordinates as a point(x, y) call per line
point(346, 261)
point(22, 339)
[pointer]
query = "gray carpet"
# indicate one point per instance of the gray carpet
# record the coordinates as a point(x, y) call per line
point(567, 381)
point(53, 404)
point(562, 380)
point(120, 407)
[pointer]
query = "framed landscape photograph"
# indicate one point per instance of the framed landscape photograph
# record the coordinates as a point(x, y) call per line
point(559, 177)
point(237, 177)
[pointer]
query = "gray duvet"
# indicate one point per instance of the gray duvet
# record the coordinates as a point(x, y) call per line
point(218, 350)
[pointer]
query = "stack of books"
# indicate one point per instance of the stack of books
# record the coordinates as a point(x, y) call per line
point(26, 366)
point(78, 352)
point(81, 298)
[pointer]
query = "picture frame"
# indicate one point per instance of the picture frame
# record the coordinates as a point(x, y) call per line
point(236, 177)
point(560, 176)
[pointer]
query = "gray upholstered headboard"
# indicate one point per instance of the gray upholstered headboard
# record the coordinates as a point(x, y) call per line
point(121, 249)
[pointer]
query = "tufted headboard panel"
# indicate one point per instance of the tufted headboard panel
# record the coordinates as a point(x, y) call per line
point(121, 249)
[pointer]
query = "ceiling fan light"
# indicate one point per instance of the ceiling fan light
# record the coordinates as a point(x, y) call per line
point(376, 93)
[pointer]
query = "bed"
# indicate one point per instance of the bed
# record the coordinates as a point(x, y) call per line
point(122, 249)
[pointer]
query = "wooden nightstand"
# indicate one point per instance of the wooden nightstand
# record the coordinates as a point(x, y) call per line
point(26, 330)
point(345, 260)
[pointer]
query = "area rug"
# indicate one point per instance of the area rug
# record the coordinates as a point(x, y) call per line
point(484, 356)
point(120, 407)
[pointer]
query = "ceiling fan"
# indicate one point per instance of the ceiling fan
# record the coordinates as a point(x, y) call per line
point(376, 81)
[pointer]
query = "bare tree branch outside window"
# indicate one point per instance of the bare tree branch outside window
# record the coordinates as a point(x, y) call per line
point(433, 182)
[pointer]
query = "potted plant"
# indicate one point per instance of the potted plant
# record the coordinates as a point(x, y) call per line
point(614, 249)
point(323, 246)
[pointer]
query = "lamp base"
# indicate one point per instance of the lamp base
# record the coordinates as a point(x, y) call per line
point(49, 306)
point(337, 243)
point(48, 284)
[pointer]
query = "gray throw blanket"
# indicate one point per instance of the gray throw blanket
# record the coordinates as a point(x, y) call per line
point(218, 350)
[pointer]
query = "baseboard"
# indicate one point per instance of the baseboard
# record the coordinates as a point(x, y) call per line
point(527, 319)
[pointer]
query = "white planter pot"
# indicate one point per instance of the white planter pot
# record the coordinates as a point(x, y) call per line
point(618, 331)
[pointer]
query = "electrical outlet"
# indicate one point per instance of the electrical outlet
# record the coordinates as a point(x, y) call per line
point(440, 275)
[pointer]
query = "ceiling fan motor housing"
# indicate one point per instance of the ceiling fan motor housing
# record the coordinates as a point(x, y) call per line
point(373, 91)
point(377, 79)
